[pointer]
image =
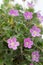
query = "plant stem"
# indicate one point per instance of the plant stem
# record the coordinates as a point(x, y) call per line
point(21, 49)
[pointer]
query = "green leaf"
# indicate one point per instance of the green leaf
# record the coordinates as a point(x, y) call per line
point(6, 1)
point(1, 61)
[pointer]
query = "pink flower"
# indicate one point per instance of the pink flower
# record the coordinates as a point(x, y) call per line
point(31, 64)
point(28, 43)
point(35, 31)
point(35, 56)
point(40, 17)
point(28, 15)
point(14, 12)
point(13, 43)
point(30, 5)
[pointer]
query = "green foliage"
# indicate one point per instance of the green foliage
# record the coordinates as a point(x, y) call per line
point(18, 27)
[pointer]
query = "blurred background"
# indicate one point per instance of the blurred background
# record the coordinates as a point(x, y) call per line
point(38, 4)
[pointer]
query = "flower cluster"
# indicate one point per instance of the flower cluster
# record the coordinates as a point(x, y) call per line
point(28, 15)
point(34, 31)
point(28, 43)
point(35, 56)
point(13, 12)
point(40, 17)
point(13, 43)
point(31, 5)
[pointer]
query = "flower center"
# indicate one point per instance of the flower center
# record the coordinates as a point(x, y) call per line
point(34, 56)
point(27, 43)
point(29, 17)
point(35, 32)
point(12, 44)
